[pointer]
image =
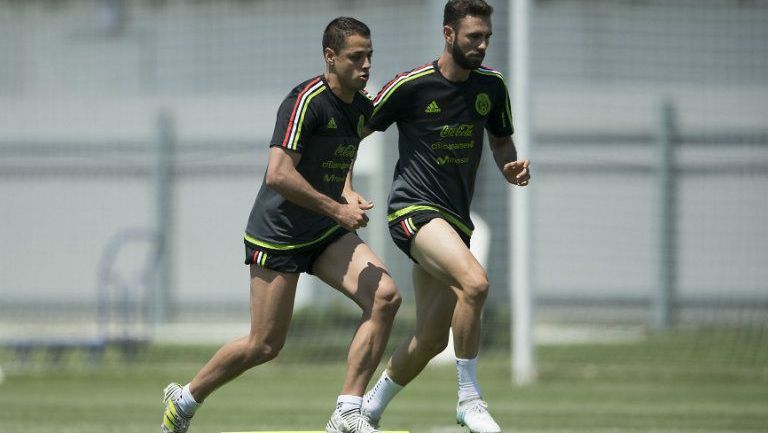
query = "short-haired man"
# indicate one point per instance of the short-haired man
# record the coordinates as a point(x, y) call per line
point(442, 110)
point(303, 220)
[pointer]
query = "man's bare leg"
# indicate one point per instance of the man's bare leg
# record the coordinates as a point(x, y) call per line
point(272, 296)
point(434, 312)
point(451, 288)
point(443, 255)
point(353, 269)
point(452, 263)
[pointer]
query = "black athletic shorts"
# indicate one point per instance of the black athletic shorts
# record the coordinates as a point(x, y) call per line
point(404, 229)
point(294, 260)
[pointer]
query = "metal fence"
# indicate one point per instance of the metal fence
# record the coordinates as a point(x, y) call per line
point(650, 153)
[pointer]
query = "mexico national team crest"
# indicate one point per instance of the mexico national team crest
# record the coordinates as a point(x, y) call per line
point(483, 103)
point(360, 125)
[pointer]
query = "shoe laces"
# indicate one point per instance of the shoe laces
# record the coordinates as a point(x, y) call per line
point(478, 405)
point(359, 423)
point(374, 422)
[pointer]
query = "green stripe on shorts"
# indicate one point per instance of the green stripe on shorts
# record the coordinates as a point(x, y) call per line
point(420, 207)
point(284, 247)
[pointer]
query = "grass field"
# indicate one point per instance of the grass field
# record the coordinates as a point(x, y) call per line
point(681, 382)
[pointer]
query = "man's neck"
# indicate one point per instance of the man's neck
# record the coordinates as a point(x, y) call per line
point(345, 94)
point(450, 69)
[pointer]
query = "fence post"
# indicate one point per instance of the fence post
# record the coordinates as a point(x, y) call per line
point(164, 175)
point(664, 302)
point(524, 369)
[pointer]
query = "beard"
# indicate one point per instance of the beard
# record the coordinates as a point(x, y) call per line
point(462, 60)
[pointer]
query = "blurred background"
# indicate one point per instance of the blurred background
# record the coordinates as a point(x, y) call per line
point(133, 140)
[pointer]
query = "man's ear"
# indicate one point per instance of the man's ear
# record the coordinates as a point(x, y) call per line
point(330, 56)
point(449, 34)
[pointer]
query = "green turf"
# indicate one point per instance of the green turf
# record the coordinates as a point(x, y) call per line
point(669, 383)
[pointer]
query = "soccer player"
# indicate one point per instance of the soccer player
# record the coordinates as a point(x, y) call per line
point(442, 110)
point(304, 220)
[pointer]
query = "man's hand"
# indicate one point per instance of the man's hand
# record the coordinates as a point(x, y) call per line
point(350, 196)
point(517, 172)
point(351, 214)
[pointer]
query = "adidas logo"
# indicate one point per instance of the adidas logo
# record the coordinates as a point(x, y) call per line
point(331, 124)
point(432, 108)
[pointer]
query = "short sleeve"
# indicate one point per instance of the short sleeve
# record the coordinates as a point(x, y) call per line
point(500, 118)
point(388, 105)
point(296, 120)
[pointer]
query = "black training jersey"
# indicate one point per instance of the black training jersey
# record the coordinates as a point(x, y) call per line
point(313, 121)
point(441, 125)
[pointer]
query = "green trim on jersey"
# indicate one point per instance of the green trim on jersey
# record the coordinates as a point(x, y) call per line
point(283, 247)
point(392, 89)
point(420, 207)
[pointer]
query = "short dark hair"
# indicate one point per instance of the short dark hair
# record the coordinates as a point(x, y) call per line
point(455, 10)
point(337, 31)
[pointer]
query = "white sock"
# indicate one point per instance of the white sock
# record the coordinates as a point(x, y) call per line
point(186, 402)
point(345, 403)
point(467, 372)
point(379, 397)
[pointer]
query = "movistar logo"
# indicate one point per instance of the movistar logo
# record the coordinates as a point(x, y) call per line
point(432, 108)
point(448, 159)
point(334, 178)
point(331, 124)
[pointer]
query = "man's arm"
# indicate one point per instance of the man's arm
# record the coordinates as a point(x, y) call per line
point(283, 177)
point(505, 154)
point(350, 195)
